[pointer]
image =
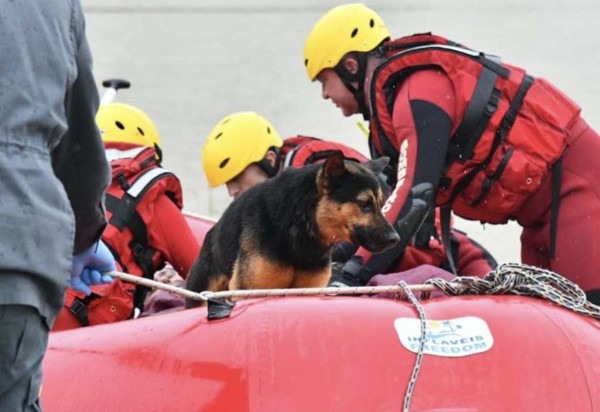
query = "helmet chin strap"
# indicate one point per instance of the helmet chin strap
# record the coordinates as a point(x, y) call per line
point(159, 154)
point(268, 168)
point(358, 77)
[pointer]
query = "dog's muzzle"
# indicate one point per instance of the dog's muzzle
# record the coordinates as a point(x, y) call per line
point(375, 239)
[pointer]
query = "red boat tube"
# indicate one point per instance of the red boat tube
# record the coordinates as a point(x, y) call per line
point(500, 353)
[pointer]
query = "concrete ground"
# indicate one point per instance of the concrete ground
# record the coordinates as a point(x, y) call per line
point(192, 62)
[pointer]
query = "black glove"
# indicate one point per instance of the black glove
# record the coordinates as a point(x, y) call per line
point(420, 207)
point(343, 251)
point(355, 273)
point(341, 278)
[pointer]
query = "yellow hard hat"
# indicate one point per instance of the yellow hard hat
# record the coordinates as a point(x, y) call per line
point(236, 142)
point(123, 123)
point(343, 29)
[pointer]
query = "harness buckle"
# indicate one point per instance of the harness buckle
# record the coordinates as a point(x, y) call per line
point(122, 181)
point(79, 309)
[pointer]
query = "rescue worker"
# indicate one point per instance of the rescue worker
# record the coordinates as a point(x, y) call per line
point(53, 174)
point(146, 228)
point(468, 133)
point(245, 149)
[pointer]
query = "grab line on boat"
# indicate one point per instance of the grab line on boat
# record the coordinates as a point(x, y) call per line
point(507, 279)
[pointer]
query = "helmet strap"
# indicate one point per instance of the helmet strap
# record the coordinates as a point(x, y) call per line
point(359, 77)
point(159, 154)
point(268, 168)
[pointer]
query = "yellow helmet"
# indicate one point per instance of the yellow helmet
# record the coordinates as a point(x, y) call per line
point(236, 142)
point(343, 29)
point(123, 123)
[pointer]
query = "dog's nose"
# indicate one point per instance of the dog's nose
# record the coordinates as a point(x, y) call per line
point(391, 239)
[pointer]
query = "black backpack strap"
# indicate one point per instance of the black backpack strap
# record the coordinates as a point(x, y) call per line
point(446, 237)
point(555, 205)
point(143, 256)
point(121, 210)
point(481, 108)
point(124, 215)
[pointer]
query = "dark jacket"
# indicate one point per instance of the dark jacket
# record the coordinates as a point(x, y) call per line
point(53, 172)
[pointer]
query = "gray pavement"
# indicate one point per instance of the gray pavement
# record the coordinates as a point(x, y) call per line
point(193, 62)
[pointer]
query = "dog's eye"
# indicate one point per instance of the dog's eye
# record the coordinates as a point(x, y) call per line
point(365, 205)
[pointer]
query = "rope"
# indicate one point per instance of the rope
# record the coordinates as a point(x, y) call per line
point(523, 280)
point(328, 291)
point(138, 280)
point(417, 367)
point(257, 293)
point(507, 279)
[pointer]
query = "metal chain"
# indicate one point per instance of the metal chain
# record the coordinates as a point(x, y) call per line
point(417, 366)
point(524, 280)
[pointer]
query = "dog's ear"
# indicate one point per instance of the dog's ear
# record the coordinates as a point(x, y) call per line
point(378, 165)
point(333, 169)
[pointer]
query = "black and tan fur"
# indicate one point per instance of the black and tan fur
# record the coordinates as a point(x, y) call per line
point(279, 234)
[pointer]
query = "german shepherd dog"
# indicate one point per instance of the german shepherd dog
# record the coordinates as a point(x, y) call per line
point(279, 234)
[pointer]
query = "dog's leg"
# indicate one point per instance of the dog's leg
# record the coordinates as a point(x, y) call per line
point(312, 279)
point(203, 274)
point(234, 282)
point(218, 283)
point(258, 272)
point(198, 280)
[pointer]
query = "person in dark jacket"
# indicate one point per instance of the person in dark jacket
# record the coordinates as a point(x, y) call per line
point(53, 175)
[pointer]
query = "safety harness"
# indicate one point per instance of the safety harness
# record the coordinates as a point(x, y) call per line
point(492, 108)
point(124, 207)
point(125, 215)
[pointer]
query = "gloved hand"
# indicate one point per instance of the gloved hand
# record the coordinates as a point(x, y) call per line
point(341, 278)
point(342, 251)
point(421, 205)
point(354, 273)
point(88, 267)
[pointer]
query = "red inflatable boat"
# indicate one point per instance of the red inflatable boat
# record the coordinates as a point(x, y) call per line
point(498, 353)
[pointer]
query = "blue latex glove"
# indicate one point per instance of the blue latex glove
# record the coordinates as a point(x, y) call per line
point(88, 267)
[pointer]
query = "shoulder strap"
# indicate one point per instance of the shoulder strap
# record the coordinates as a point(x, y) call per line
point(446, 237)
point(481, 107)
point(146, 180)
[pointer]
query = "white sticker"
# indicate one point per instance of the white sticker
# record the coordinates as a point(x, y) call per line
point(449, 338)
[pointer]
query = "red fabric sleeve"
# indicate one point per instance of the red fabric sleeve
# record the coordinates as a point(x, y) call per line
point(425, 85)
point(173, 237)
